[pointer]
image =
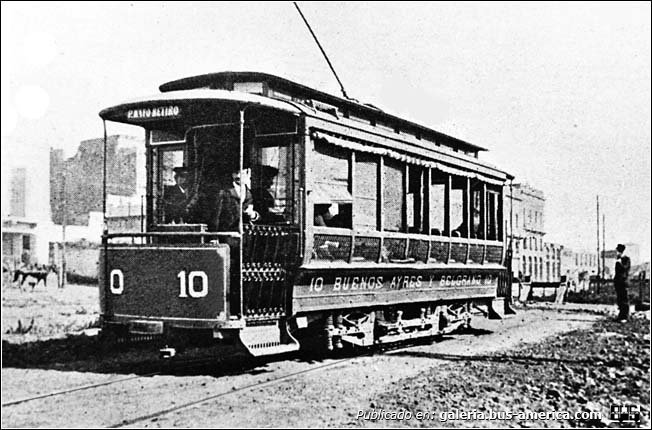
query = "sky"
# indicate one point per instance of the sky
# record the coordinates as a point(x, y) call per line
point(559, 93)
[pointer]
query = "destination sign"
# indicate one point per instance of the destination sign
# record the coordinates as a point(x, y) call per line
point(153, 113)
point(338, 284)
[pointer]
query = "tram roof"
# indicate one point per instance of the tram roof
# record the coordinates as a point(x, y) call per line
point(226, 80)
point(196, 95)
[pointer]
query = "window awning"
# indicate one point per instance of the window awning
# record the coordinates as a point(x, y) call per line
point(359, 147)
point(330, 193)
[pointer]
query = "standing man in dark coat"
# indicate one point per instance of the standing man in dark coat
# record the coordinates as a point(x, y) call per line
point(228, 210)
point(621, 279)
point(175, 198)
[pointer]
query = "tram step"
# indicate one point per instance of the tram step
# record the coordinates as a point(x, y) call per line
point(268, 340)
point(499, 309)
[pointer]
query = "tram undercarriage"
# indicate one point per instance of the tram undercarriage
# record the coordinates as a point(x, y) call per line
point(318, 332)
point(364, 328)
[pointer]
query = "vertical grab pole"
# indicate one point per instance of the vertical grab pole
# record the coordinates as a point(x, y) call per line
point(243, 190)
point(105, 230)
point(105, 227)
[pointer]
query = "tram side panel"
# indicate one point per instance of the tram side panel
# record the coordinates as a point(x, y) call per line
point(334, 289)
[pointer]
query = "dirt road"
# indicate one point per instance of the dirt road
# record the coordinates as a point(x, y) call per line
point(330, 392)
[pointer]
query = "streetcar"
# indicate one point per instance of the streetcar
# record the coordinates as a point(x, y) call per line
point(300, 219)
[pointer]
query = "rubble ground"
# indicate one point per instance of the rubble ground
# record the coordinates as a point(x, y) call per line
point(582, 370)
point(47, 312)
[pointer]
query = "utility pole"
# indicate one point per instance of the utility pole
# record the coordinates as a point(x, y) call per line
point(603, 246)
point(64, 221)
point(142, 213)
point(597, 205)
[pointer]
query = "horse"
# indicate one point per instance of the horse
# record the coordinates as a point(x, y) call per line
point(40, 273)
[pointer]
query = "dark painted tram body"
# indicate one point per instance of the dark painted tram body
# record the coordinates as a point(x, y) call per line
point(369, 228)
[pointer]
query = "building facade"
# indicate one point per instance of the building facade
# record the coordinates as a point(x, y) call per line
point(579, 266)
point(25, 210)
point(532, 257)
point(77, 182)
point(42, 191)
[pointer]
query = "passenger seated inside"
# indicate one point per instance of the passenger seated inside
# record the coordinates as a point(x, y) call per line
point(227, 211)
point(263, 197)
point(460, 231)
point(344, 217)
point(175, 198)
point(323, 216)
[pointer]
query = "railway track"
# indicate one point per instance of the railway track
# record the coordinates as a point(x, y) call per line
point(187, 365)
point(387, 348)
point(237, 390)
point(177, 366)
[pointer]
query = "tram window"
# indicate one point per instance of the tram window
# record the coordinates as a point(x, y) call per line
point(169, 186)
point(331, 195)
point(215, 157)
point(166, 136)
point(365, 191)
point(492, 216)
point(457, 221)
point(210, 156)
point(476, 220)
point(393, 195)
point(272, 186)
point(438, 203)
point(333, 215)
point(414, 203)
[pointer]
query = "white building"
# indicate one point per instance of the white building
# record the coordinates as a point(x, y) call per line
point(26, 221)
point(532, 256)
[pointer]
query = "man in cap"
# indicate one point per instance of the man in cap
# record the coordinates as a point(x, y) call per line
point(264, 200)
point(175, 197)
point(621, 278)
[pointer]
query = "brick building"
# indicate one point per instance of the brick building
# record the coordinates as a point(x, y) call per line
point(77, 182)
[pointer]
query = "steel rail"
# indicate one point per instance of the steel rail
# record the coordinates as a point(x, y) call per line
point(188, 364)
point(393, 347)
